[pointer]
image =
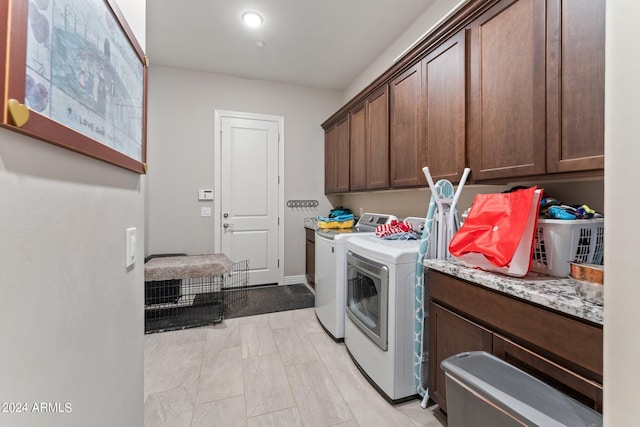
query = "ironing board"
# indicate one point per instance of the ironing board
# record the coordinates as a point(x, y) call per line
point(440, 225)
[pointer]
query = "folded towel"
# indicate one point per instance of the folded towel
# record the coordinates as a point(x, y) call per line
point(335, 224)
point(339, 218)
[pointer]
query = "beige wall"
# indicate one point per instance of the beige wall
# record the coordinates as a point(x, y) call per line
point(415, 202)
point(408, 202)
point(71, 320)
point(622, 233)
point(432, 15)
point(181, 154)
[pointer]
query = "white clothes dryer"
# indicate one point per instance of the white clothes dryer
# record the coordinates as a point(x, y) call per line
point(380, 308)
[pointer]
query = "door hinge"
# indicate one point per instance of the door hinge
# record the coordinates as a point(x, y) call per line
point(278, 262)
point(278, 220)
point(278, 179)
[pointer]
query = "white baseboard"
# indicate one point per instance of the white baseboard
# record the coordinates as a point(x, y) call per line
point(294, 280)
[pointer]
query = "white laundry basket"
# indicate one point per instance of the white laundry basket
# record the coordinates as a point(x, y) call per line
point(558, 241)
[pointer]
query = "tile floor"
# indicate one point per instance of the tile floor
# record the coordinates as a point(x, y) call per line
point(277, 369)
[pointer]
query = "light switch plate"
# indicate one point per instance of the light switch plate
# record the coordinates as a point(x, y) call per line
point(205, 194)
point(205, 211)
point(131, 246)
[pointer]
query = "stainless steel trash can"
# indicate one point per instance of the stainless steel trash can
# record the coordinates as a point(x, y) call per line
point(484, 391)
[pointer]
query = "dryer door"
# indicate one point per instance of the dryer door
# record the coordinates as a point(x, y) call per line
point(368, 296)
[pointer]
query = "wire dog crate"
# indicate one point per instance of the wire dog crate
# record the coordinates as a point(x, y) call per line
point(193, 301)
point(236, 285)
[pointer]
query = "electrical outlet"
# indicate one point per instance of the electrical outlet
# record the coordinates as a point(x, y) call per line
point(205, 211)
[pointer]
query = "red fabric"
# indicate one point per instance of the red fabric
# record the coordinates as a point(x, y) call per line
point(394, 227)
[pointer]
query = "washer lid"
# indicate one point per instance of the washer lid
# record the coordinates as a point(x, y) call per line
point(385, 251)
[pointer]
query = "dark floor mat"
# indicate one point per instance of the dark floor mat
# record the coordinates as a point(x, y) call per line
point(270, 299)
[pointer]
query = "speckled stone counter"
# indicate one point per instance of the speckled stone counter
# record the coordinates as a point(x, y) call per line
point(555, 293)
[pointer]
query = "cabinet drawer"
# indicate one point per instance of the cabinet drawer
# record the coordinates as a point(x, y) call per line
point(571, 343)
point(574, 385)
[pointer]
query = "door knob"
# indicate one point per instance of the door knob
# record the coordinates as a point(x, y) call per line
point(225, 225)
point(225, 215)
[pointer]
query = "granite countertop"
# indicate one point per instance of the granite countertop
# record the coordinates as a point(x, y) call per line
point(552, 292)
point(311, 223)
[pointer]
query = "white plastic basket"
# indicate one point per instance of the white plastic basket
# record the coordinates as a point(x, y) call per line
point(557, 242)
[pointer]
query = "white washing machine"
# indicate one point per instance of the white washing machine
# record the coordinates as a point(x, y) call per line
point(380, 321)
point(330, 271)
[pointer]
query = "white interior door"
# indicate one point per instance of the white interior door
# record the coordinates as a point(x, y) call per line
point(249, 195)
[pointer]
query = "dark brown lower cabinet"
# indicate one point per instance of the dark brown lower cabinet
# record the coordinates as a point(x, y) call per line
point(450, 334)
point(558, 349)
point(310, 256)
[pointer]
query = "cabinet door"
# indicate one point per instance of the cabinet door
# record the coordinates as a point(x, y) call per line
point(574, 385)
point(450, 334)
point(342, 156)
point(357, 148)
point(507, 91)
point(330, 145)
point(378, 140)
point(444, 109)
point(575, 85)
point(310, 257)
point(336, 157)
point(406, 129)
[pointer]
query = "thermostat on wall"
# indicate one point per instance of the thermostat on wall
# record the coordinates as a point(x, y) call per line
point(205, 194)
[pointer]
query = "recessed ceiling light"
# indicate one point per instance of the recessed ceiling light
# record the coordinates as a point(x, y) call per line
point(252, 19)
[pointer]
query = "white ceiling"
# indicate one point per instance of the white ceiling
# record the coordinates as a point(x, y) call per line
point(322, 43)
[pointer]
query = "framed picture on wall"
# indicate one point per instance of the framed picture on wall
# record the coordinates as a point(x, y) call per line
point(74, 75)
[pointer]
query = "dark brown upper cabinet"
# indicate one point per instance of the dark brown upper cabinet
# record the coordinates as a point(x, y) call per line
point(507, 91)
point(513, 89)
point(575, 85)
point(378, 140)
point(358, 148)
point(444, 73)
point(406, 129)
point(336, 157)
point(369, 141)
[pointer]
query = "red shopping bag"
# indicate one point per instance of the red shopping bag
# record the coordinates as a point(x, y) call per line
point(499, 231)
